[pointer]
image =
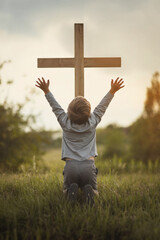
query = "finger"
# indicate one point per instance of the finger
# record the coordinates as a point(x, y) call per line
point(122, 86)
point(48, 82)
point(121, 83)
point(37, 86)
point(120, 80)
point(116, 80)
point(39, 80)
point(43, 80)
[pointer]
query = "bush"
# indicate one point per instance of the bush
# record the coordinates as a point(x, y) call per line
point(17, 145)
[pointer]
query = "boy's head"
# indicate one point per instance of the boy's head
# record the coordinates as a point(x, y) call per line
point(79, 110)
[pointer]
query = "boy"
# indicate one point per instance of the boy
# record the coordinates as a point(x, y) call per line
point(79, 139)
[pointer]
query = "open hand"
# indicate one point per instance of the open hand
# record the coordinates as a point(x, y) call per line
point(115, 86)
point(42, 84)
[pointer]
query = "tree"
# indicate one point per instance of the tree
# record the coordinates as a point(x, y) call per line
point(145, 133)
point(152, 102)
point(19, 142)
point(115, 141)
point(17, 145)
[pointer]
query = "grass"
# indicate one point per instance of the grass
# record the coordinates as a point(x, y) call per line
point(32, 206)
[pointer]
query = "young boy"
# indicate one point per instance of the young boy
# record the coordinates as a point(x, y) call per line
point(79, 139)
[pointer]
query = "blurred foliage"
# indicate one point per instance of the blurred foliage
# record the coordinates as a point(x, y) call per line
point(18, 146)
point(152, 102)
point(145, 131)
point(19, 142)
point(115, 139)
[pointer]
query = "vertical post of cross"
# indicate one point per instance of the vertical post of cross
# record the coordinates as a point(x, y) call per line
point(79, 60)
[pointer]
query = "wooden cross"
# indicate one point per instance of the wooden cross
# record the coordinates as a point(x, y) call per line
point(79, 62)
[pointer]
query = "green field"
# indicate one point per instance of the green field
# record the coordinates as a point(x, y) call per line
point(32, 206)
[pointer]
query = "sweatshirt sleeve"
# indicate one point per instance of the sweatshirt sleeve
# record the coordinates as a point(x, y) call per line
point(56, 108)
point(102, 106)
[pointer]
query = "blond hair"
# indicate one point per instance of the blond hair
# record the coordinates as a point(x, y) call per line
point(79, 110)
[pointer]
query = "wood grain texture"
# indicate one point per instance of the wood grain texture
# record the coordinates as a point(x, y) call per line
point(79, 60)
point(56, 62)
point(102, 62)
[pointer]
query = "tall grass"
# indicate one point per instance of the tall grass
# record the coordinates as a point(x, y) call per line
point(32, 206)
point(119, 165)
point(105, 166)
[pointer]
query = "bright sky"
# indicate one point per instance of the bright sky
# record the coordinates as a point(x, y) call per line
point(118, 28)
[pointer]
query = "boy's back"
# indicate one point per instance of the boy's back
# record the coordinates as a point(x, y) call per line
point(79, 140)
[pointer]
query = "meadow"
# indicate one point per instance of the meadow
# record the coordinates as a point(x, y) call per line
point(32, 205)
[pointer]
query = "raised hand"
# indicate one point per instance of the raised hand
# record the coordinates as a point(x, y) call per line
point(115, 86)
point(42, 84)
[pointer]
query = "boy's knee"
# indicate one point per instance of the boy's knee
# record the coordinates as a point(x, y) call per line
point(65, 191)
point(96, 192)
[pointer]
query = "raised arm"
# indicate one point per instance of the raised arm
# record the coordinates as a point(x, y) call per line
point(56, 108)
point(102, 106)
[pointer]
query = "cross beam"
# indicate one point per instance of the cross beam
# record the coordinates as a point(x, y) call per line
point(79, 62)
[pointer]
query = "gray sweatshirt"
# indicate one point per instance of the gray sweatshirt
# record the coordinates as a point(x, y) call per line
point(79, 141)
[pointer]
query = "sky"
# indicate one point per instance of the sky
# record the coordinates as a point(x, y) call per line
point(41, 29)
